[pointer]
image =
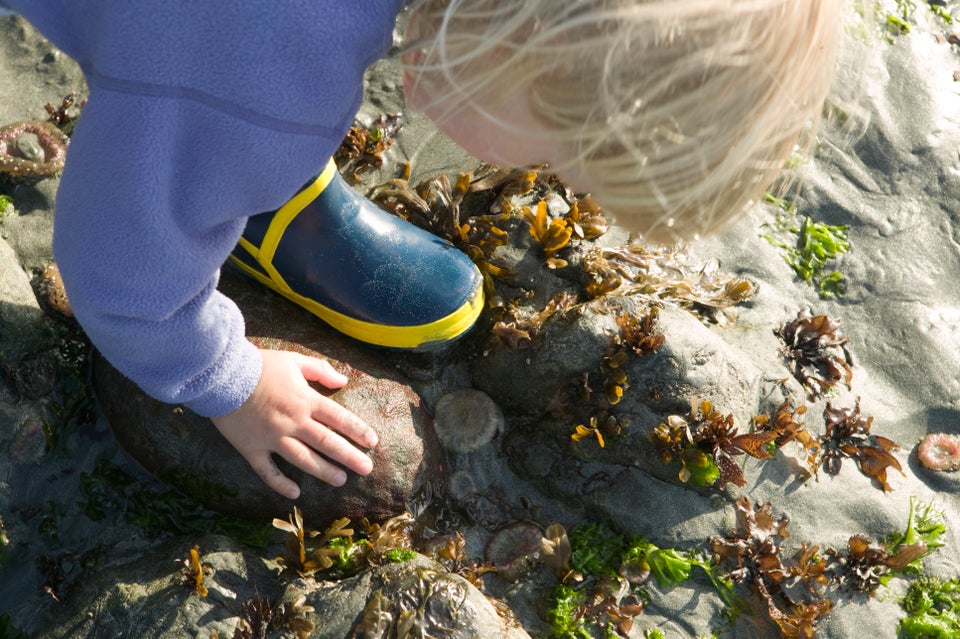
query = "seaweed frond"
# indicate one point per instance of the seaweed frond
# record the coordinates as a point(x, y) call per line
point(818, 351)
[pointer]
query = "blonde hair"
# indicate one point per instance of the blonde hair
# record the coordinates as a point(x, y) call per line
point(679, 113)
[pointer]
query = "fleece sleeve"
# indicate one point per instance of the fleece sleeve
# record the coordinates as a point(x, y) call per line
point(153, 199)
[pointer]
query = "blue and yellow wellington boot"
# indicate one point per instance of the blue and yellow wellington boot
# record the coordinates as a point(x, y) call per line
point(367, 273)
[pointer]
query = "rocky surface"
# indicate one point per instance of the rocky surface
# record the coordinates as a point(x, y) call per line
point(895, 186)
point(187, 452)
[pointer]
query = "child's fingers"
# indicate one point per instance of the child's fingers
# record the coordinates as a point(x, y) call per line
point(339, 419)
point(320, 370)
point(272, 477)
point(331, 445)
point(303, 456)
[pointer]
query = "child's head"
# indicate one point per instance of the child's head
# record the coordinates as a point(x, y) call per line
point(675, 114)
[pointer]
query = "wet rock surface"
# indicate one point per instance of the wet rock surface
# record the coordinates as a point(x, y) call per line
point(188, 452)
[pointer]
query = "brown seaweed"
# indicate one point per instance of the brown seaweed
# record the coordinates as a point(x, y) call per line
point(255, 615)
point(707, 432)
point(848, 436)
point(65, 115)
point(194, 572)
point(362, 148)
point(551, 234)
point(663, 275)
point(818, 352)
point(293, 616)
point(865, 565)
point(755, 548)
point(786, 424)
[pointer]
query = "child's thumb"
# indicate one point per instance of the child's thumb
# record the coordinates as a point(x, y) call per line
point(320, 370)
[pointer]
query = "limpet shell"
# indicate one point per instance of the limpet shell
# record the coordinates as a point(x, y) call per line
point(466, 420)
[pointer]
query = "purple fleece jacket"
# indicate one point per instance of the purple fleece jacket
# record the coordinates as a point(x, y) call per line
point(200, 114)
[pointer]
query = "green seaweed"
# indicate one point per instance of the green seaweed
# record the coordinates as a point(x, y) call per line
point(815, 244)
point(670, 567)
point(399, 555)
point(602, 562)
point(8, 630)
point(345, 560)
point(925, 524)
point(566, 621)
point(110, 493)
point(6, 206)
point(596, 550)
point(933, 609)
point(72, 403)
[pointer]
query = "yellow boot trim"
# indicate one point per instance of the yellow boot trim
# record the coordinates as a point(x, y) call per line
point(441, 330)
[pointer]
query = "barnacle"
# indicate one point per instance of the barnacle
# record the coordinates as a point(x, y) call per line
point(848, 435)
point(362, 148)
point(818, 351)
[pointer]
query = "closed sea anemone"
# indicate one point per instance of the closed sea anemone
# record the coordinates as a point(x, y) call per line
point(31, 150)
point(940, 451)
point(466, 420)
point(513, 549)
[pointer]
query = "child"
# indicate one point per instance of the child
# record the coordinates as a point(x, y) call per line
point(675, 115)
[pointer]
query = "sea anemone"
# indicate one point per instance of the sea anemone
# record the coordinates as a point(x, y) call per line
point(513, 549)
point(940, 451)
point(466, 420)
point(31, 150)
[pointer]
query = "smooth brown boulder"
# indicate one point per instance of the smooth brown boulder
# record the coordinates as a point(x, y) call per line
point(186, 451)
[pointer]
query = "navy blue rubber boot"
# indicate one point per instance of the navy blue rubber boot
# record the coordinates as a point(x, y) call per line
point(365, 272)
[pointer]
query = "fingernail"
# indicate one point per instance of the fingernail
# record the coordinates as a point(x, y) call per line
point(373, 439)
point(339, 479)
point(293, 493)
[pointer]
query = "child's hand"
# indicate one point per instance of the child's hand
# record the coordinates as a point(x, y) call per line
point(284, 415)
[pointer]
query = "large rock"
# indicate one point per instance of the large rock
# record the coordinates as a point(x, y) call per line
point(186, 451)
point(418, 595)
point(154, 597)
